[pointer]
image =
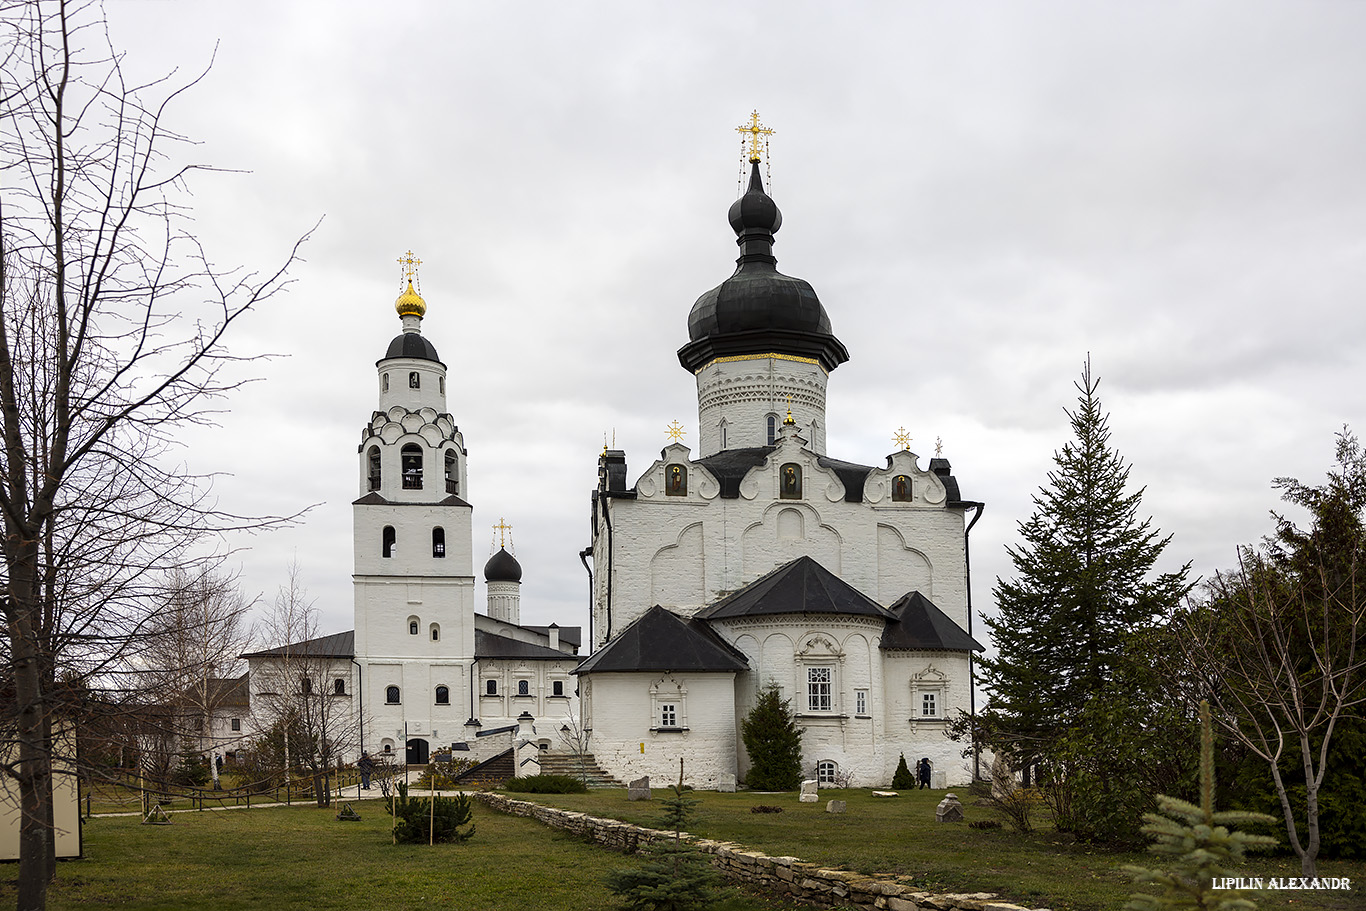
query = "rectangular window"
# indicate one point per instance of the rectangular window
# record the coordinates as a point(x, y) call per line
point(818, 690)
point(491, 687)
point(237, 724)
point(928, 708)
point(668, 715)
point(860, 702)
point(557, 688)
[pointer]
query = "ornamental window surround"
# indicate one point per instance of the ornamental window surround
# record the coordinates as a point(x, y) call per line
point(820, 682)
point(668, 705)
point(929, 695)
point(819, 665)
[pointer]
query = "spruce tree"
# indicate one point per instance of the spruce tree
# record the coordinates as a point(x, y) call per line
point(774, 743)
point(902, 779)
point(1083, 587)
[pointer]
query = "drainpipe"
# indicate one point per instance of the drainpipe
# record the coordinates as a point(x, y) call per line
point(607, 515)
point(972, 672)
point(360, 700)
point(583, 558)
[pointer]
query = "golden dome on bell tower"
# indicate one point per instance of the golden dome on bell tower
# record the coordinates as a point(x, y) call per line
point(410, 303)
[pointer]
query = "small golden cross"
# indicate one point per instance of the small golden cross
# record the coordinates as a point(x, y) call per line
point(755, 129)
point(938, 447)
point(409, 262)
point(902, 438)
point(502, 528)
point(676, 432)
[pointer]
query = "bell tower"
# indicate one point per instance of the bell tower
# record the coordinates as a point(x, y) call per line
point(414, 579)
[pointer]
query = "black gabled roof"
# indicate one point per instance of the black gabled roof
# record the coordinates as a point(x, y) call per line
point(337, 645)
point(921, 625)
point(730, 466)
point(800, 587)
point(570, 634)
point(412, 344)
point(491, 645)
point(851, 475)
point(662, 641)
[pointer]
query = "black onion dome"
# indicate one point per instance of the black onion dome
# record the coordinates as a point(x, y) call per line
point(758, 309)
point(502, 567)
point(412, 344)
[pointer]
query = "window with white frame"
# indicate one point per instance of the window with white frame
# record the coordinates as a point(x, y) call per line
point(929, 695)
point(827, 772)
point(668, 699)
point(929, 706)
point(820, 689)
point(860, 702)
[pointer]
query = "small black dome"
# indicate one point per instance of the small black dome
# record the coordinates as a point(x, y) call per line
point(758, 309)
point(502, 567)
point(412, 344)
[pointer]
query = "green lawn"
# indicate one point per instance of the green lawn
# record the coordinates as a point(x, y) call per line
point(900, 836)
point(303, 858)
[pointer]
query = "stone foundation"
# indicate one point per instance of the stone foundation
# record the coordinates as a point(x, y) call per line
point(800, 881)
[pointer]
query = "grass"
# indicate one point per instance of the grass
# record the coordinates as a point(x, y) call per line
point(302, 858)
point(900, 836)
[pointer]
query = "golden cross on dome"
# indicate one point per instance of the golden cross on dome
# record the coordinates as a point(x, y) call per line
point(676, 432)
point(755, 129)
point(502, 528)
point(902, 438)
point(409, 262)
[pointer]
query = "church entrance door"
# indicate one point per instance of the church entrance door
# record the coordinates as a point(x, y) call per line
point(417, 752)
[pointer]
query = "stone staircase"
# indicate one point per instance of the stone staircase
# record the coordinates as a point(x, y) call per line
point(584, 766)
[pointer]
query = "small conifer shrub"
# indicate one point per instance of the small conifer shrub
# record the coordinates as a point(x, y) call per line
point(417, 822)
point(774, 744)
point(903, 779)
point(1200, 844)
point(676, 876)
point(546, 784)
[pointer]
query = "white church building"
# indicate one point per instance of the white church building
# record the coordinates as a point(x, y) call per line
point(422, 670)
point(762, 561)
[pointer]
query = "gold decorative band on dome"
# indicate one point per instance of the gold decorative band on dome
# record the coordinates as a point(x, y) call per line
point(750, 357)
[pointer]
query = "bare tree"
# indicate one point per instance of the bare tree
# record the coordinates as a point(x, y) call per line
point(192, 651)
point(300, 688)
point(1279, 647)
point(112, 335)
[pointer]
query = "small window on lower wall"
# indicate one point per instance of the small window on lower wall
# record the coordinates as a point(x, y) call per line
point(391, 694)
point(443, 695)
point(827, 772)
point(237, 724)
point(860, 702)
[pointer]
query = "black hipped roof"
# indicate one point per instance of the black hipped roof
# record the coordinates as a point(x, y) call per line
point(661, 641)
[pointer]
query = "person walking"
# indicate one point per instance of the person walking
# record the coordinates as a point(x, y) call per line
point(922, 771)
point(366, 766)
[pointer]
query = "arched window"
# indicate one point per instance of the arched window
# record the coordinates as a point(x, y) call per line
point(388, 746)
point(385, 384)
point(441, 384)
point(676, 481)
point(452, 476)
point(901, 489)
point(523, 687)
point(339, 687)
point(412, 626)
point(724, 428)
point(490, 687)
point(443, 695)
point(306, 686)
point(372, 467)
point(391, 695)
point(439, 542)
point(772, 436)
point(390, 539)
point(436, 632)
point(414, 380)
point(411, 463)
point(827, 772)
point(790, 481)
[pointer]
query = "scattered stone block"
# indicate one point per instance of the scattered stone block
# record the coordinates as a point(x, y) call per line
point(949, 809)
point(638, 789)
point(835, 806)
point(939, 780)
point(809, 794)
point(886, 794)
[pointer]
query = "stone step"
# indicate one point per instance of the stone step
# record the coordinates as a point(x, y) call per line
point(583, 767)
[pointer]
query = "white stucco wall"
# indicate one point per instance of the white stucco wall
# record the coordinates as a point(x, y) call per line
point(742, 392)
point(621, 709)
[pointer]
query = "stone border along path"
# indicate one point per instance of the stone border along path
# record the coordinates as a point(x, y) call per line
point(790, 876)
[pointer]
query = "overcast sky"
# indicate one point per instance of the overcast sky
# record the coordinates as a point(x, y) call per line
point(981, 194)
